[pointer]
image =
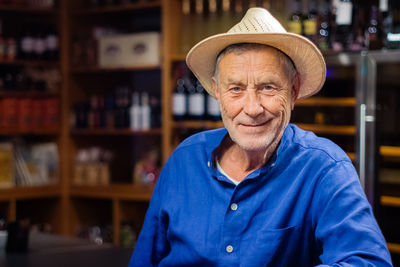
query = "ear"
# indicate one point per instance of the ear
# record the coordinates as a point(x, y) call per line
point(295, 89)
point(215, 88)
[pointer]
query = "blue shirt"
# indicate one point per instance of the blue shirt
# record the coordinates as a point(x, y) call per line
point(303, 208)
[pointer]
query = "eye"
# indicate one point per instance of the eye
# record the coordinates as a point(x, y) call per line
point(268, 87)
point(236, 89)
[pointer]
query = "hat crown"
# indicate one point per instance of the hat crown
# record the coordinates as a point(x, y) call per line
point(258, 20)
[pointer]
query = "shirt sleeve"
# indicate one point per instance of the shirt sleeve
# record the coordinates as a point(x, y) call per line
point(152, 245)
point(345, 228)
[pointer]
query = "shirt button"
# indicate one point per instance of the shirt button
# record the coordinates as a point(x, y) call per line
point(272, 164)
point(208, 163)
point(234, 206)
point(229, 249)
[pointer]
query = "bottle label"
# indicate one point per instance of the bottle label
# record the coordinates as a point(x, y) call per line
point(343, 13)
point(383, 5)
point(27, 44)
point(179, 104)
point(213, 106)
point(39, 46)
point(294, 27)
point(52, 42)
point(310, 27)
point(196, 104)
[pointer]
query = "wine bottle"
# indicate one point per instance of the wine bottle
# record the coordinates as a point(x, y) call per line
point(196, 101)
point(39, 44)
point(373, 35)
point(26, 44)
point(134, 112)
point(145, 112)
point(179, 101)
point(51, 40)
point(295, 19)
point(186, 34)
point(343, 21)
point(387, 21)
point(323, 32)
point(310, 21)
point(213, 110)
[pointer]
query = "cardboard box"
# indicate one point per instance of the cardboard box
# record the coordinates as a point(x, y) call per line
point(129, 50)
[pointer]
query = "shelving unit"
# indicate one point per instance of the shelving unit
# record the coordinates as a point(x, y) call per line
point(122, 201)
point(39, 203)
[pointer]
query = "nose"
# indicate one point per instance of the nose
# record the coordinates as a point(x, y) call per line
point(252, 105)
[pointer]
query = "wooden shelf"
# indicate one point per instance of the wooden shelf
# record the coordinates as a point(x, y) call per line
point(31, 63)
point(390, 151)
point(119, 8)
point(97, 69)
point(155, 131)
point(394, 248)
point(390, 201)
point(178, 57)
point(328, 101)
point(114, 191)
point(30, 192)
point(198, 124)
point(328, 129)
point(39, 131)
point(26, 94)
point(27, 9)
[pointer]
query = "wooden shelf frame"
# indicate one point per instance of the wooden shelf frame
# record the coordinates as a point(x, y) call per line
point(28, 9)
point(328, 129)
point(394, 248)
point(31, 63)
point(118, 8)
point(28, 131)
point(98, 69)
point(390, 201)
point(328, 101)
point(154, 131)
point(130, 192)
point(29, 192)
point(191, 124)
point(390, 151)
point(26, 94)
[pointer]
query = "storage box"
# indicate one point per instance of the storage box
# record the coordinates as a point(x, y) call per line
point(129, 50)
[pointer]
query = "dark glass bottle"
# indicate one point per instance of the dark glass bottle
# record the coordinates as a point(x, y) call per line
point(196, 106)
point(26, 44)
point(373, 36)
point(51, 40)
point(324, 29)
point(343, 30)
point(295, 19)
point(310, 22)
point(179, 101)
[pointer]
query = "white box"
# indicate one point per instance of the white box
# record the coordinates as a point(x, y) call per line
point(129, 50)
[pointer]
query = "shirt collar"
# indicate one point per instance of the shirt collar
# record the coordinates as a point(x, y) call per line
point(272, 162)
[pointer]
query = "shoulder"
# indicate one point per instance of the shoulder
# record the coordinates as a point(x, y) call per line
point(310, 143)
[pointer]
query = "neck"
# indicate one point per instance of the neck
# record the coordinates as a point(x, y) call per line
point(238, 162)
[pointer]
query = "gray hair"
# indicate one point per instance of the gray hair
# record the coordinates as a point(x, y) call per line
point(243, 47)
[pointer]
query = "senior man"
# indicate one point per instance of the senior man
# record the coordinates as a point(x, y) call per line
point(259, 192)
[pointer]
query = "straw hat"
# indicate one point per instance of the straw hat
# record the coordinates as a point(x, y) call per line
point(259, 26)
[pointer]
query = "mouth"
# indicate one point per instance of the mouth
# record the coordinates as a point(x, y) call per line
point(254, 125)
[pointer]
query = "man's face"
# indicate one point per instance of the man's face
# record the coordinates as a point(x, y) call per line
point(255, 96)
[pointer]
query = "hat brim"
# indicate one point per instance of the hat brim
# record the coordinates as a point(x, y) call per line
point(307, 58)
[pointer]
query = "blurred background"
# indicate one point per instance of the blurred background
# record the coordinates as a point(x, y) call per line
point(95, 95)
